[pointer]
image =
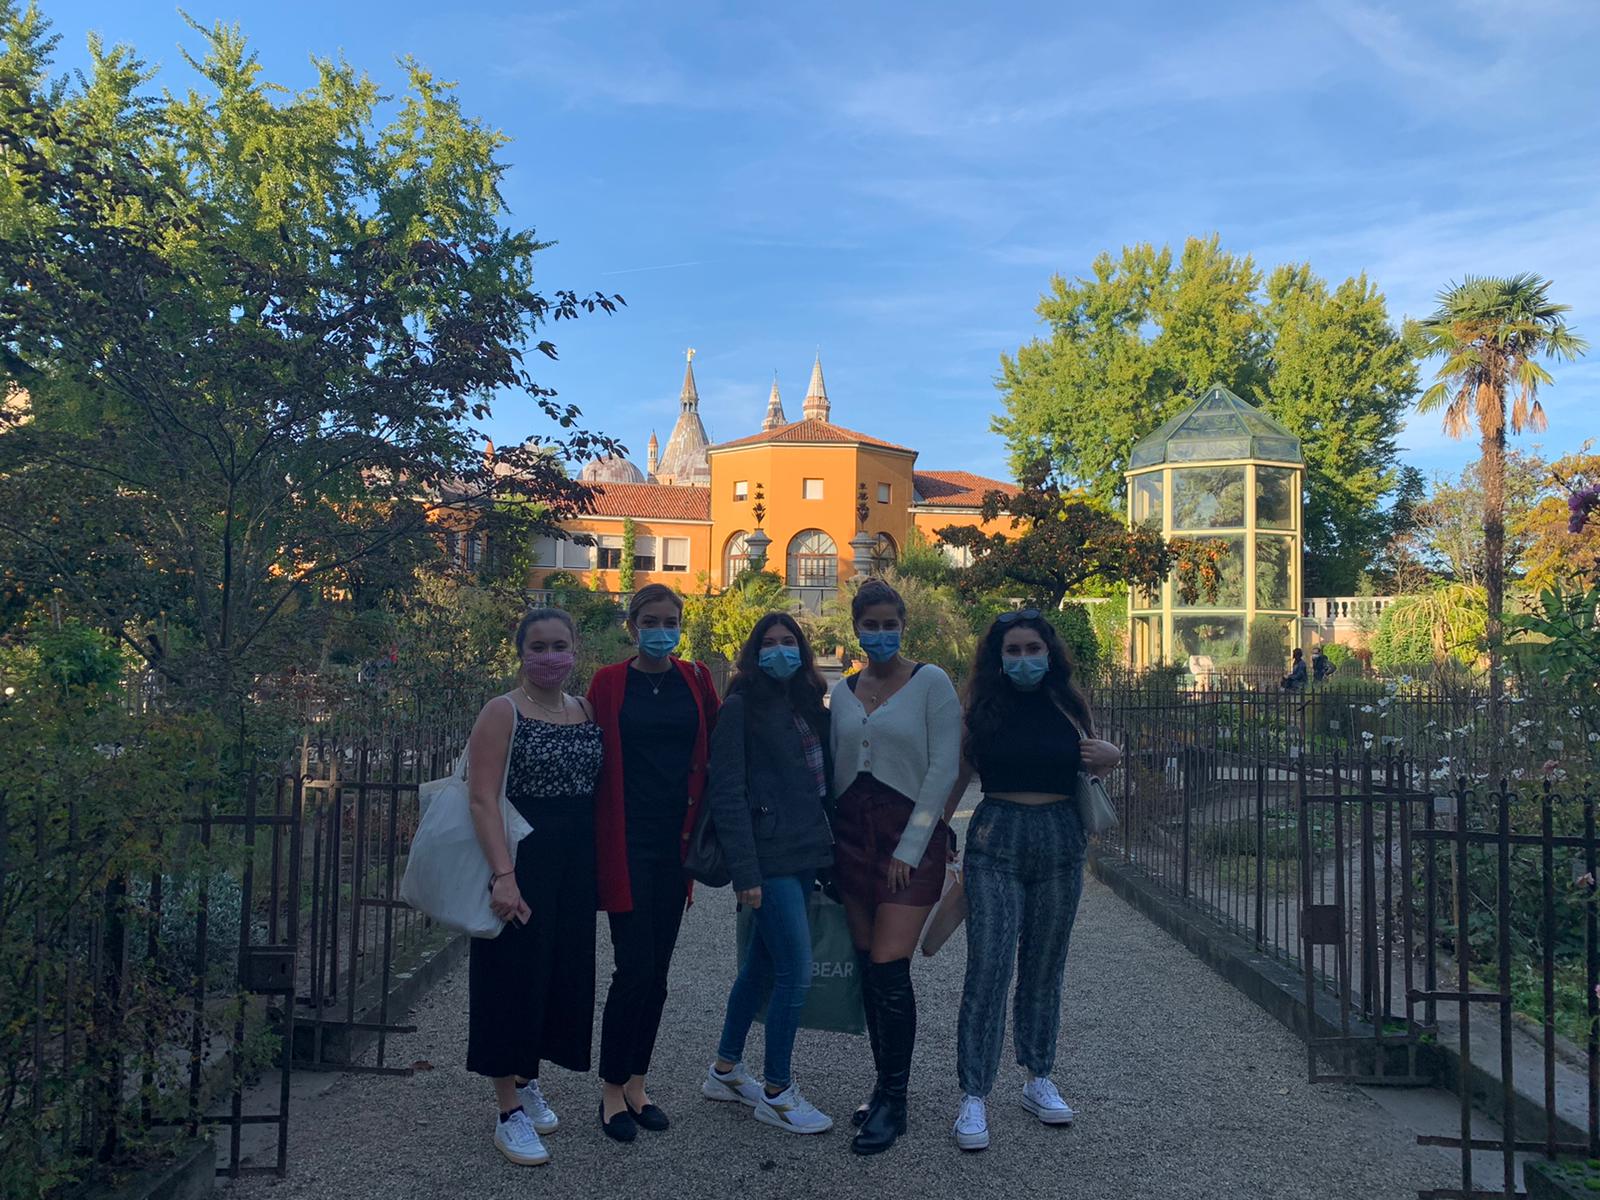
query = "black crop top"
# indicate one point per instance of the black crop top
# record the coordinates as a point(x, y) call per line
point(1037, 752)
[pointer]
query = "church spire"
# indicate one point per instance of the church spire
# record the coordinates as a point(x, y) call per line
point(654, 451)
point(683, 458)
point(775, 415)
point(816, 407)
point(689, 397)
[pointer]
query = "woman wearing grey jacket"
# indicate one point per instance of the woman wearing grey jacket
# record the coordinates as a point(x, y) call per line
point(769, 797)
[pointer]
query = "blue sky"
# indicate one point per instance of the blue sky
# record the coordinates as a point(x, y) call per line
point(895, 183)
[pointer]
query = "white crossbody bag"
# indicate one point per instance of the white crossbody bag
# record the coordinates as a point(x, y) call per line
point(1095, 809)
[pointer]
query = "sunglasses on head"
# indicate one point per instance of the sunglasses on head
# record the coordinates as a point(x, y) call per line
point(1018, 614)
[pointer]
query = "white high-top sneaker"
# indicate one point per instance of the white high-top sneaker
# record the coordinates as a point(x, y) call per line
point(537, 1107)
point(518, 1140)
point(1039, 1096)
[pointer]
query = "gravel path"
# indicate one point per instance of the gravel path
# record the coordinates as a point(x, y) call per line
point(1183, 1089)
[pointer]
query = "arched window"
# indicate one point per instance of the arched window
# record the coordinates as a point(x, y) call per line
point(884, 554)
point(736, 557)
point(813, 560)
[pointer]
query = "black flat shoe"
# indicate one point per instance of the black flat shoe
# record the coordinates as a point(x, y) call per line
point(649, 1117)
point(622, 1127)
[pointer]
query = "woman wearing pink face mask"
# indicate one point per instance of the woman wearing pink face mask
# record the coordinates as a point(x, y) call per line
point(531, 989)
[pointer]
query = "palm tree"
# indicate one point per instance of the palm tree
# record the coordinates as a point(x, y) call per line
point(1491, 332)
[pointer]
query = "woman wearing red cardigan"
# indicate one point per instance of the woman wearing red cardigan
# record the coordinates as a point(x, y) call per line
point(655, 714)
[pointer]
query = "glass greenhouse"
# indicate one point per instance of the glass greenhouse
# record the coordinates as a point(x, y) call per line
point(1220, 469)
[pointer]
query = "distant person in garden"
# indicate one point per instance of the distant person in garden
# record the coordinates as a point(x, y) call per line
point(530, 991)
point(1321, 665)
point(1295, 680)
point(770, 797)
point(1028, 732)
point(656, 712)
point(896, 733)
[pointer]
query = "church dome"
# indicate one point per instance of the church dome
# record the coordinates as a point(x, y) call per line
point(611, 469)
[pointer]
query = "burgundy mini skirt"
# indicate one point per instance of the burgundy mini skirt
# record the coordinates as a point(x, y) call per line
point(872, 816)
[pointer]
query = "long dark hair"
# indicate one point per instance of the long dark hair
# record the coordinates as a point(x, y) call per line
point(804, 688)
point(991, 698)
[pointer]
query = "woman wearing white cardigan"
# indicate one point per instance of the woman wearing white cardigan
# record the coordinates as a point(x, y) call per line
point(896, 734)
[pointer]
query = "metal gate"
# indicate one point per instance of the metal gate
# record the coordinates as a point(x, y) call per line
point(322, 931)
point(1452, 932)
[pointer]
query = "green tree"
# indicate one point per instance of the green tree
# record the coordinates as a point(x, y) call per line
point(1131, 343)
point(1340, 376)
point(258, 330)
point(1268, 642)
point(1125, 346)
point(1447, 621)
point(741, 604)
point(630, 545)
point(1552, 553)
point(1060, 542)
point(937, 629)
point(921, 558)
point(1491, 334)
point(1447, 531)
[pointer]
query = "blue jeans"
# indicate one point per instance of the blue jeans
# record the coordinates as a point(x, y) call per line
point(779, 962)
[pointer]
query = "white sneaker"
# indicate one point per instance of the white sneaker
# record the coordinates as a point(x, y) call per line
point(738, 1084)
point(518, 1140)
point(972, 1124)
point(1039, 1096)
point(537, 1107)
point(791, 1111)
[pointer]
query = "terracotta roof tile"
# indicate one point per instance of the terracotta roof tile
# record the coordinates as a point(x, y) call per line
point(660, 501)
point(957, 489)
point(811, 430)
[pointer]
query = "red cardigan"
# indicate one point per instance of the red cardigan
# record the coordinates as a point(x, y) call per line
point(610, 828)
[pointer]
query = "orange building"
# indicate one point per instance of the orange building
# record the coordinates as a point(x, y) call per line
point(829, 502)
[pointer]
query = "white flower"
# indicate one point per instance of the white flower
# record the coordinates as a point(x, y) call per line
point(1594, 737)
point(1517, 773)
point(1556, 744)
point(1366, 708)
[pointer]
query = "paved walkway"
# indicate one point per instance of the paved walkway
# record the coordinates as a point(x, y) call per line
point(1183, 1089)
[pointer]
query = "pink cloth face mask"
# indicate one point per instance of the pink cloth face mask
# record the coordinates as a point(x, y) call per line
point(549, 670)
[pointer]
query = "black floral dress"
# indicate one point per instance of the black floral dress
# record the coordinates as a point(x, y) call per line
point(531, 990)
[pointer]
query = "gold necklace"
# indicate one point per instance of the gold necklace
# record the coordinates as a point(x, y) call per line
point(559, 710)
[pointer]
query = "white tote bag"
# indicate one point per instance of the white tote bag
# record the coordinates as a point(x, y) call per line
point(447, 875)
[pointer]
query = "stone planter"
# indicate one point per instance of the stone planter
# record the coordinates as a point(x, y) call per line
point(1563, 1179)
point(191, 1174)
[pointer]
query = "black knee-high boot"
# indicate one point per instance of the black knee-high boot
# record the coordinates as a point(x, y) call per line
point(869, 1004)
point(897, 1036)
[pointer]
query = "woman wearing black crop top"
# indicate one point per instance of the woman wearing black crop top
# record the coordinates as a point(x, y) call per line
point(1026, 735)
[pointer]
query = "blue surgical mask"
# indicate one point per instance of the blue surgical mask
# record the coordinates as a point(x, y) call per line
point(1026, 671)
point(658, 643)
point(779, 661)
point(880, 646)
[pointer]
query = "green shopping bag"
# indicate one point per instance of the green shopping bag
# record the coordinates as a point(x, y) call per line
point(834, 1001)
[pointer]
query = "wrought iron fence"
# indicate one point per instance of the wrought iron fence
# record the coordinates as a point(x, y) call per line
point(1424, 859)
point(259, 929)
